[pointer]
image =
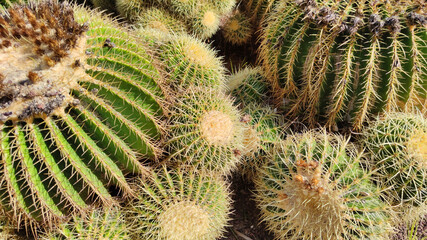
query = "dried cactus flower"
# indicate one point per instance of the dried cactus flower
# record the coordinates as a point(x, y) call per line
point(397, 144)
point(313, 187)
point(80, 106)
point(174, 205)
point(206, 132)
point(343, 62)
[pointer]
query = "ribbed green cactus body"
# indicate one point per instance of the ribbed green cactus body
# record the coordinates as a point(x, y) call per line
point(206, 132)
point(98, 224)
point(344, 61)
point(248, 85)
point(177, 205)
point(312, 187)
point(258, 9)
point(238, 28)
point(397, 144)
point(54, 161)
point(161, 20)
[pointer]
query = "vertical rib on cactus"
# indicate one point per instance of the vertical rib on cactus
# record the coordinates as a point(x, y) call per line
point(344, 61)
point(78, 113)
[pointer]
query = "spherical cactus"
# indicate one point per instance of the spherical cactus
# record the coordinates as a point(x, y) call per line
point(397, 144)
point(222, 6)
point(161, 20)
point(238, 29)
point(97, 224)
point(264, 129)
point(130, 9)
point(313, 187)
point(175, 205)
point(192, 62)
point(206, 132)
point(247, 86)
point(80, 106)
point(345, 61)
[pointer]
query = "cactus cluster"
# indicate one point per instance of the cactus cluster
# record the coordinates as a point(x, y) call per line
point(341, 62)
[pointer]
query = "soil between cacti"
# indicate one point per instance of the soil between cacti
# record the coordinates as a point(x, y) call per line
point(245, 218)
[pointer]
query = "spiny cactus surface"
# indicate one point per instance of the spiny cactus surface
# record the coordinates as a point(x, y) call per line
point(174, 205)
point(312, 187)
point(80, 103)
point(344, 61)
point(206, 132)
point(238, 29)
point(397, 144)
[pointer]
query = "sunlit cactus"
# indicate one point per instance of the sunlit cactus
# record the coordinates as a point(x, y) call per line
point(248, 85)
point(313, 187)
point(344, 61)
point(263, 131)
point(397, 144)
point(238, 29)
point(192, 62)
point(97, 224)
point(80, 107)
point(161, 20)
point(205, 132)
point(175, 205)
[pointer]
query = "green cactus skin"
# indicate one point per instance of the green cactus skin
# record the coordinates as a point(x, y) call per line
point(345, 61)
point(161, 20)
point(173, 205)
point(108, 5)
point(191, 62)
point(397, 146)
point(238, 29)
point(248, 85)
point(264, 129)
point(312, 187)
point(97, 224)
point(206, 132)
point(66, 142)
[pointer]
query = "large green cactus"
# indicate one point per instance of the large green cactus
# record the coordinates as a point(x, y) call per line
point(313, 187)
point(342, 61)
point(80, 106)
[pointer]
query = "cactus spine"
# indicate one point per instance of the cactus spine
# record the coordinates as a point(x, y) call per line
point(80, 106)
point(238, 29)
point(206, 132)
point(397, 145)
point(175, 205)
point(344, 61)
point(312, 187)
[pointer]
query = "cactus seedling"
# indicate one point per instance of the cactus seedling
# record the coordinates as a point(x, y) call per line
point(312, 187)
point(97, 224)
point(192, 62)
point(397, 144)
point(80, 104)
point(345, 61)
point(238, 29)
point(174, 205)
point(206, 132)
point(247, 86)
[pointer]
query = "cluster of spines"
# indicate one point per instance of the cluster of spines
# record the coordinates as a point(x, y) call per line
point(58, 164)
point(179, 205)
point(313, 187)
point(342, 62)
point(238, 29)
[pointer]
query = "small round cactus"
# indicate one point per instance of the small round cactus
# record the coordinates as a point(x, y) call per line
point(206, 132)
point(96, 224)
point(161, 20)
point(192, 62)
point(80, 106)
point(397, 144)
point(247, 86)
point(312, 187)
point(173, 205)
point(238, 29)
point(263, 130)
